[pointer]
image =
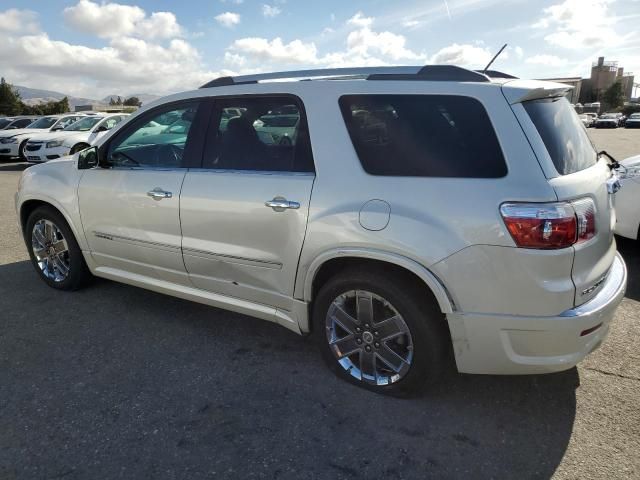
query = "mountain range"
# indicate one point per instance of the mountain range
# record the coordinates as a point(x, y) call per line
point(34, 96)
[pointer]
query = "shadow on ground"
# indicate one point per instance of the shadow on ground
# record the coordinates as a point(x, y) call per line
point(630, 250)
point(13, 167)
point(115, 381)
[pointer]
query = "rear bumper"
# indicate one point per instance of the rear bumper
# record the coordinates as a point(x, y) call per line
point(513, 345)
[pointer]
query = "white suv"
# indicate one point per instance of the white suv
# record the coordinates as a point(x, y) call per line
point(416, 211)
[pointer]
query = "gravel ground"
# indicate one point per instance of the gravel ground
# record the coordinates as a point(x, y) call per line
point(118, 382)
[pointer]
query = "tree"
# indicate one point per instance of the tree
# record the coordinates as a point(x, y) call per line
point(132, 102)
point(111, 101)
point(119, 101)
point(10, 102)
point(614, 96)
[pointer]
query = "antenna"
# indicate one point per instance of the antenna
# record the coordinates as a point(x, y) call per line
point(494, 58)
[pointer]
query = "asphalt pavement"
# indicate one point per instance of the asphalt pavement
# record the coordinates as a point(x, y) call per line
point(118, 382)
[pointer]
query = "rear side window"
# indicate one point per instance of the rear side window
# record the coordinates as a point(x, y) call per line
point(423, 136)
point(259, 133)
point(563, 134)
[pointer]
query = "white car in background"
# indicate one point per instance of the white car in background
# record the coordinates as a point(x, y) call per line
point(627, 199)
point(77, 136)
point(13, 142)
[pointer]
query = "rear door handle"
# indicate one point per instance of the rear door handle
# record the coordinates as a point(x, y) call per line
point(158, 194)
point(280, 204)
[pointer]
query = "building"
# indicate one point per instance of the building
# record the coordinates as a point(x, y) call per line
point(603, 76)
point(103, 107)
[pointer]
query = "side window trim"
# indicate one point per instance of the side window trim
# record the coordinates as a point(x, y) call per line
point(211, 138)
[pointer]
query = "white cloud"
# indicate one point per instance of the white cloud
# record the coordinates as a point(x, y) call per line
point(576, 24)
point(359, 20)
point(228, 19)
point(276, 50)
point(19, 21)
point(111, 20)
point(548, 60)
point(270, 11)
point(411, 23)
point(464, 55)
point(364, 46)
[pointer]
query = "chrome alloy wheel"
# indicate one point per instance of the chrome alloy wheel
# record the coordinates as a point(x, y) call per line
point(369, 338)
point(50, 250)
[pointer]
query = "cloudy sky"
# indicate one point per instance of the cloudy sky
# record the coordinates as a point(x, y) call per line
point(93, 48)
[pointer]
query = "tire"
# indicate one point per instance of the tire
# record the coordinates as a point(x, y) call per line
point(425, 347)
point(21, 155)
point(64, 268)
point(78, 147)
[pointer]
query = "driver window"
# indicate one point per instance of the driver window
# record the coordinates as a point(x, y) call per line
point(158, 142)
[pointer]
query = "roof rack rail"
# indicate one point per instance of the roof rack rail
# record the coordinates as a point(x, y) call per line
point(449, 73)
point(495, 74)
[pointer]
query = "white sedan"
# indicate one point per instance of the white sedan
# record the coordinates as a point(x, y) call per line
point(77, 136)
point(13, 142)
point(627, 199)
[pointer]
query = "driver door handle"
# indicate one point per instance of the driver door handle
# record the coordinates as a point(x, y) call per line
point(158, 194)
point(280, 204)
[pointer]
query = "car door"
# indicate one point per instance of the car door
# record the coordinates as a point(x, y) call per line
point(244, 213)
point(130, 204)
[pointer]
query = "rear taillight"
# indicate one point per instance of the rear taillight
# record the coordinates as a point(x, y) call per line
point(550, 225)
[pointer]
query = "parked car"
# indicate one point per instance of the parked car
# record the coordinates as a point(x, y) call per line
point(608, 120)
point(594, 117)
point(13, 142)
point(627, 200)
point(587, 120)
point(479, 222)
point(12, 123)
point(77, 136)
point(633, 121)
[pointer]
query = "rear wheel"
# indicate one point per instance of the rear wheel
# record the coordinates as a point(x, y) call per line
point(380, 332)
point(78, 148)
point(54, 252)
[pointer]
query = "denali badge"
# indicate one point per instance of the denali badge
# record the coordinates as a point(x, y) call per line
point(589, 290)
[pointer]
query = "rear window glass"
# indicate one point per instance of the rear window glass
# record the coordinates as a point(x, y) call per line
point(423, 136)
point(563, 134)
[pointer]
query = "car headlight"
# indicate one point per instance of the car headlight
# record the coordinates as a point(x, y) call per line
point(9, 140)
point(54, 143)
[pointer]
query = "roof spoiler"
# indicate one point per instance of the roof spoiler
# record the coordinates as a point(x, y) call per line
point(517, 91)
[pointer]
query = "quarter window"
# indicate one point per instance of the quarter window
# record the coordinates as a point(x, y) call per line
point(423, 136)
point(159, 142)
point(259, 133)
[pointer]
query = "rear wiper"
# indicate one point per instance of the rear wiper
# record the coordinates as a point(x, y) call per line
point(613, 164)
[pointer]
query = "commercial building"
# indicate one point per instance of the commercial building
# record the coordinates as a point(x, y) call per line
point(603, 76)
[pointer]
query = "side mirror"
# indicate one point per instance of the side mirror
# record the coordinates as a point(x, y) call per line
point(88, 158)
point(57, 129)
point(101, 128)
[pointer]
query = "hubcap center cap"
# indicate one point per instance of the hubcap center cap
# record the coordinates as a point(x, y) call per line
point(367, 337)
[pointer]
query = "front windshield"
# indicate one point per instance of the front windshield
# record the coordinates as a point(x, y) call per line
point(635, 115)
point(83, 125)
point(4, 122)
point(44, 122)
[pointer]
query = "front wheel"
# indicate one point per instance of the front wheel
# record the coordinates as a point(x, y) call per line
point(380, 332)
point(21, 148)
point(54, 252)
